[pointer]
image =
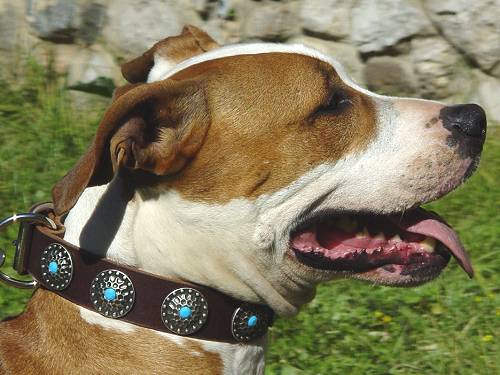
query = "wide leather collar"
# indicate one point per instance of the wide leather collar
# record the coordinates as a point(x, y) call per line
point(129, 294)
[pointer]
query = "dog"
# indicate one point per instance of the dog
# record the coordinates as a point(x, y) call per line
point(258, 170)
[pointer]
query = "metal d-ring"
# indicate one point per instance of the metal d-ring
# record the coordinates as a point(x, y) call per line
point(32, 218)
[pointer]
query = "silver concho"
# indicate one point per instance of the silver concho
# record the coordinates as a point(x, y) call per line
point(184, 311)
point(112, 293)
point(57, 267)
point(250, 322)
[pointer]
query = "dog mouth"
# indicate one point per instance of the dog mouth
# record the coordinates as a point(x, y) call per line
point(409, 248)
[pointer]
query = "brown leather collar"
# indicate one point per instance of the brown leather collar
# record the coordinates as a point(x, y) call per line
point(227, 319)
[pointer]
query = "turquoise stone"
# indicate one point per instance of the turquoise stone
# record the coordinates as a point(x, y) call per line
point(252, 321)
point(185, 312)
point(109, 294)
point(53, 267)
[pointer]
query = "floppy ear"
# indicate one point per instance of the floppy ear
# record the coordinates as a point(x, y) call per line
point(154, 127)
point(170, 51)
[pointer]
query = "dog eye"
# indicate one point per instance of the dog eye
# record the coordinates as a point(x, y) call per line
point(338, 100)
point(337, 103)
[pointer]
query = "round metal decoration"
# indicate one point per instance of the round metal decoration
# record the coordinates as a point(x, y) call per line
point(57, 267)
point(250, 322)
point(184, 311)
point(112, 293)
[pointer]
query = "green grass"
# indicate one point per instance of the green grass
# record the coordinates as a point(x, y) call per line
point(41, 136)
point(450, 326)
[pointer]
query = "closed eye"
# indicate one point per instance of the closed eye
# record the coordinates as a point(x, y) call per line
point(337, 103)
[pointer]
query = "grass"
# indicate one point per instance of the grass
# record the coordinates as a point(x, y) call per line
point(450, 326)
point(41, 136)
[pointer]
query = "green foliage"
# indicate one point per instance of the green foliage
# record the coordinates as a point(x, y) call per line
point(450, 326)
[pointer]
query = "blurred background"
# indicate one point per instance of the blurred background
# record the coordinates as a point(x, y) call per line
point(59, 64)
point(447, 50)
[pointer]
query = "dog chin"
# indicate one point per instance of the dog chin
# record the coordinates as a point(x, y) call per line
point(403, 276)
point(394, 275)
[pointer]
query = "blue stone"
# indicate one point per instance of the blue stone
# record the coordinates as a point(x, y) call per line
point(109, 294)
point(252, 321)
point(185, 312)
point(53, 267)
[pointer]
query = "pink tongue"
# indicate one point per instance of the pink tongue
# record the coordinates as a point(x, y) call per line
point(429, 224)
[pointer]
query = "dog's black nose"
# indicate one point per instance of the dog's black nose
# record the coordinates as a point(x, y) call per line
point(466, 119)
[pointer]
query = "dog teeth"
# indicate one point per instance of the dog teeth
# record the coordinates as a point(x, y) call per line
point(379, 236)
point(364, 233)
point(428, 245)
point(396, 238)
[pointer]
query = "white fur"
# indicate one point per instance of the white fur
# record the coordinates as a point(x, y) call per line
point(121, 248)
point(166, 68)
point(161, 65)
point(94, 318)
point(164, 71)
point(239, 359)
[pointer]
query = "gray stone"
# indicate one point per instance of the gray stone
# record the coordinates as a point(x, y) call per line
point(133, 27)
point(94, 71)
point(486, 94)
point(93, 17)
point(390, 76)
point(16, 42)
point(66, 21)
point(346, 54)
point(9, 22)
point(377, 25)
point(273, 22)
point(433, 61)
point(327, 18)
point(223, 31)
point(471, 26)
point(57, 21)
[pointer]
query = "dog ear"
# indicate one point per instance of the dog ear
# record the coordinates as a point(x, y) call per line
point(171, 50)
point(154, 127)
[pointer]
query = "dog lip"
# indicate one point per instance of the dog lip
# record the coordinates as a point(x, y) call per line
point(405, 258)
point(340, 251)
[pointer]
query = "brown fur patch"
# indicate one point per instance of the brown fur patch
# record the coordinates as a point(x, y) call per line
point(265, 131)
point(51, 338)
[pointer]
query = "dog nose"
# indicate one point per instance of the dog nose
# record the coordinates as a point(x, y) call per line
point(467, 119)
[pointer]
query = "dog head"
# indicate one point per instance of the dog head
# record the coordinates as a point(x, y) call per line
point(262, 169)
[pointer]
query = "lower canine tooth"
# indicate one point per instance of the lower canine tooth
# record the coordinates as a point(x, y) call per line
point(363, 234)
point(428, 244)
point(396, 238)
point(379, 236)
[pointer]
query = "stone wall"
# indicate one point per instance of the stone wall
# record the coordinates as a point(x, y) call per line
point(446, 50)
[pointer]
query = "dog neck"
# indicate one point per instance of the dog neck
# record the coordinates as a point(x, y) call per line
point(151, 234)
point(169, 236)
